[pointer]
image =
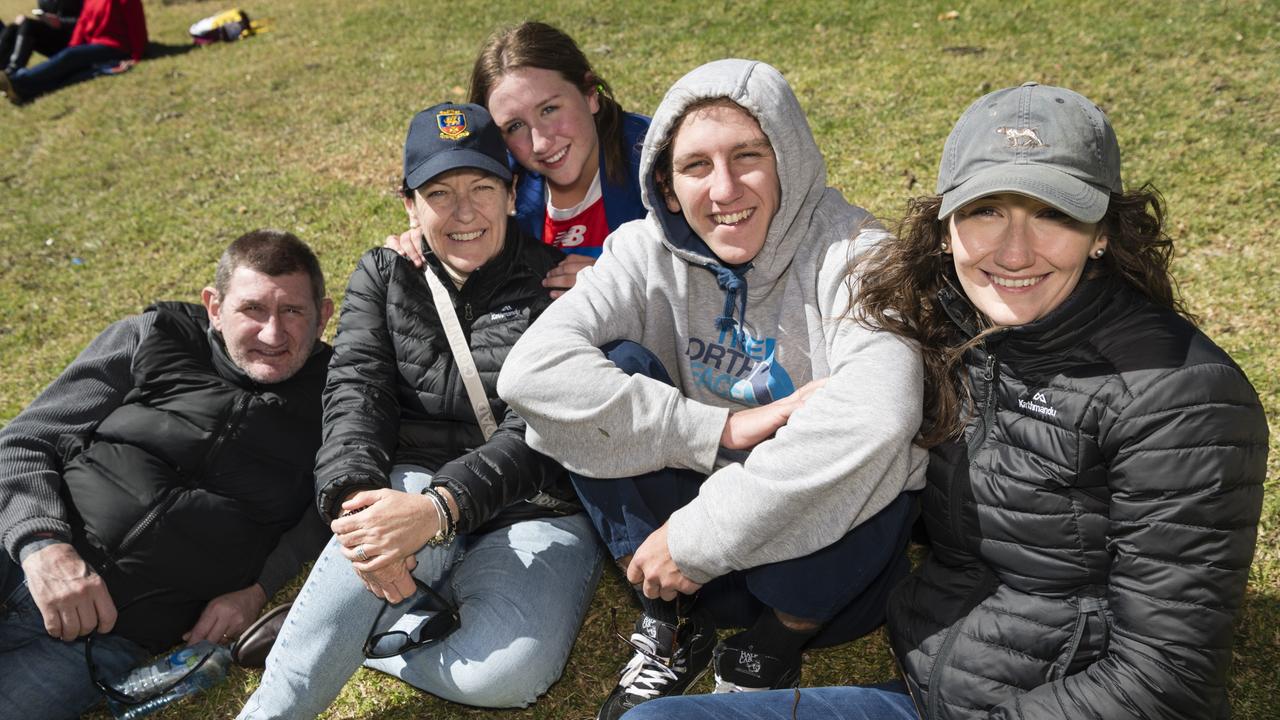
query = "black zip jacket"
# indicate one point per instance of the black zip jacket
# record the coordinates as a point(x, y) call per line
point(180, 493)
point(1092, 532)
point(394, 394)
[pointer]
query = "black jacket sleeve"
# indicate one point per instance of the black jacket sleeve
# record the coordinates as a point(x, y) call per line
point(361, 410)
point(502, 471)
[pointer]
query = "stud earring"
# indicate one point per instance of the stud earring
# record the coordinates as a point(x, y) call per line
point(945, 246)
point(1097, 254)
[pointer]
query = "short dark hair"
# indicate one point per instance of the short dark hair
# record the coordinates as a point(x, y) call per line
point(273, 253)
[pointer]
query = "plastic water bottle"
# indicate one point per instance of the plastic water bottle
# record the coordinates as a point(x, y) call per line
point(145, 680)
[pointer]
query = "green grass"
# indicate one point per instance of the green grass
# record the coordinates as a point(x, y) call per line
point(145, 177)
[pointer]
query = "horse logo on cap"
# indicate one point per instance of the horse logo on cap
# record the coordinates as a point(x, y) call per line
point(1021, 137)
point(452, 124)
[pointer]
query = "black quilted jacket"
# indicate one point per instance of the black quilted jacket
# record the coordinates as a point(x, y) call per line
point(394, 394)
point(1092, 532)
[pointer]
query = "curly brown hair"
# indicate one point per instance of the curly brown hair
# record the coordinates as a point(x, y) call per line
point(539, 45)
point(898, 288)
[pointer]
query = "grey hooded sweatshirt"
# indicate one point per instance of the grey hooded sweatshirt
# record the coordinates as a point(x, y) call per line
point(731, 338)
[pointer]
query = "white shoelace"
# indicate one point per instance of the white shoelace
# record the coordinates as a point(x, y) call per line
point(645, 675)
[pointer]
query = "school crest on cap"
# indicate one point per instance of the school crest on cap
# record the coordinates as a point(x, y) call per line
point(452, 124)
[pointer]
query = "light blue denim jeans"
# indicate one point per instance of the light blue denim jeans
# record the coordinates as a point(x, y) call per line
point(42, 677)
point(522, 592)
point(889, 701)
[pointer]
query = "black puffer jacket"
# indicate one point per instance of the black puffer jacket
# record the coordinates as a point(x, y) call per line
point(1092, 534)
point(394, 394)
point(182, 492)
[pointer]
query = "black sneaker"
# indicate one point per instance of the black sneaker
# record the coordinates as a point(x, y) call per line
point(742, 669)
point(669, 658)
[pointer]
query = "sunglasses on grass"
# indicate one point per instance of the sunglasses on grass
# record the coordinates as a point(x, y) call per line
point(441, 619)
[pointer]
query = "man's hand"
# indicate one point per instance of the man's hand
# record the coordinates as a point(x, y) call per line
point(563, 276)
point(72, 598)
point(747, 428)
point(655, 572)
point(386, 525)
point(408, 244)
point(226, 616)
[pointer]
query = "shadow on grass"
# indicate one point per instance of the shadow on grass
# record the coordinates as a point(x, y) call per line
point(161, 50)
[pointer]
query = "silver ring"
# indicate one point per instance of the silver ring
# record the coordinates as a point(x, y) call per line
point(360, 553)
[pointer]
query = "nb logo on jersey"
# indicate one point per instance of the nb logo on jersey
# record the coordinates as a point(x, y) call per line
point(573, 237)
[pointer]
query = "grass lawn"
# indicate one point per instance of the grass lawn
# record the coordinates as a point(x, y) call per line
point(124, 190)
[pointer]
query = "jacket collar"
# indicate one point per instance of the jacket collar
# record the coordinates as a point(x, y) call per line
point(1093, 301)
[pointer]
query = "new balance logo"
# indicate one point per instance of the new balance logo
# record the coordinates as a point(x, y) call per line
point(1039, 404)
point(573, 237)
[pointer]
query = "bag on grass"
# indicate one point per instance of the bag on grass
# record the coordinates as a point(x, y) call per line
point(226, 26)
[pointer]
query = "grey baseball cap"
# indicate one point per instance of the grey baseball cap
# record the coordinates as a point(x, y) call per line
point(1045, 142)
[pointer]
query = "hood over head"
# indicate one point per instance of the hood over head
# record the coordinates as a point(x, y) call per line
point(762, 91)
point(802, 173)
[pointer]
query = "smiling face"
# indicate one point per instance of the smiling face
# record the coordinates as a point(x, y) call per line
point(1018, 258)
point(548, 124)
point(724, 179)
point(463, 215)
point(269, 323)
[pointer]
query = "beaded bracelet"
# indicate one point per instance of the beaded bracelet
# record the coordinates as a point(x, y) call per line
point(447, 529)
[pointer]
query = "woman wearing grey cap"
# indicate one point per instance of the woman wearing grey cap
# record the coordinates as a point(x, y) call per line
point(461, 561)
point(1096, 467)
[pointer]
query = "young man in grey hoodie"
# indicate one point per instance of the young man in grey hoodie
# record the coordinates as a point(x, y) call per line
point(742, 446)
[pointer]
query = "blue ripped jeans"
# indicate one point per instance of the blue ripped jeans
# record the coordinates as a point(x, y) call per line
point(522, 591)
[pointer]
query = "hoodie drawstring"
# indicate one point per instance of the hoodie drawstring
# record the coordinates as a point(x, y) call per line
point(733, 283)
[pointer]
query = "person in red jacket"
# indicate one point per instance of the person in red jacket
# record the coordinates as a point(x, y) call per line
point(110, 36)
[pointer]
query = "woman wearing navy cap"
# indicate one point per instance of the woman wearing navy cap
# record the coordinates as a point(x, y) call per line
point(1096, 468)
point(461, 562)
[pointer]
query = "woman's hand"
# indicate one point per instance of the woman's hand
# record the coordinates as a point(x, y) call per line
point(563, 276)
point(393, 583)
point(385, 526)
point(408, 244)
point(747, 428)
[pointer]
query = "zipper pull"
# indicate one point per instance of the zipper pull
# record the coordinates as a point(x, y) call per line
point(990, 371)
point(466, 311)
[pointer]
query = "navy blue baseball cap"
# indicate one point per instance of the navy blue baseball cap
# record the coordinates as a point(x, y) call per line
point(449, 136)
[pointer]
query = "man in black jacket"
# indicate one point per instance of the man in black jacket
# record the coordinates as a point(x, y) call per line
point(160, 488)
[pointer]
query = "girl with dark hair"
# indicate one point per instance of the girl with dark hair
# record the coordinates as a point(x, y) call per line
point(575, 152)
point(1096, 462)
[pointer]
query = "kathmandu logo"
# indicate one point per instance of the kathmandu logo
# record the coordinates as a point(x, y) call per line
point(506, 312)
point(1021, 137)
point(1039, 404)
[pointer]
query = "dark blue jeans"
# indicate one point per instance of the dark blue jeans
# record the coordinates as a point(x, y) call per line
point(42, 677)
point(879, 702)
point(844, 585)
point(67, 66)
